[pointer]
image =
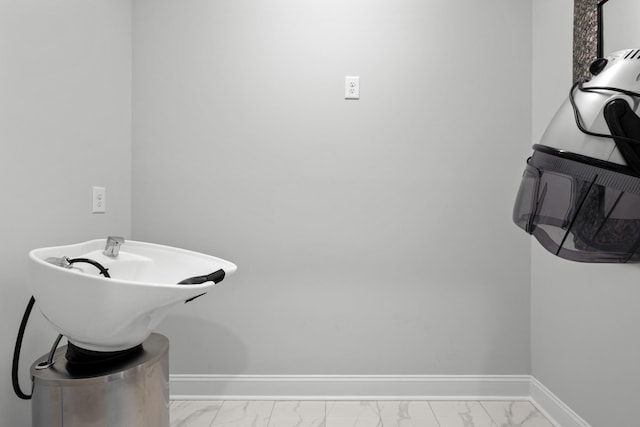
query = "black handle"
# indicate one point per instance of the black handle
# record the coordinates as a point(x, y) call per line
point(215, 277)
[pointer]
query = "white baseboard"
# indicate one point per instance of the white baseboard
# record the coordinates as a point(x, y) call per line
point(553, 408)
point(350, 387)
point(376, 387)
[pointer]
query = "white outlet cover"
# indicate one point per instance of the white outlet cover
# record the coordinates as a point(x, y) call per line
point(352, 87)
point(99, 200)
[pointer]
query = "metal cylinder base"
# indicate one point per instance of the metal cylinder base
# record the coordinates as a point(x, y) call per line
point(135, 393)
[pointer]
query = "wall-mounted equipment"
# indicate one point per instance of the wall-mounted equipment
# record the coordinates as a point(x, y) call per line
point(580, 192)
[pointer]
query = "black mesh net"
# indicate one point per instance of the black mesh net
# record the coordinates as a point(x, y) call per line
point(581, 211)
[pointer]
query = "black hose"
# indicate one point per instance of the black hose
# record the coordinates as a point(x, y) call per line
point(23, 325)
point(16, 352)
point(596, 89)
point(96, 264)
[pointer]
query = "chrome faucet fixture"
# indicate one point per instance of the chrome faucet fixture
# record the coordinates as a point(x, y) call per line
point(112, 248)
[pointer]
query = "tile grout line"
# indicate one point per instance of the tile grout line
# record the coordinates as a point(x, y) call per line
point(325, 414)
point(217, 412)
point(541, 413)
point(273, 405)
point(435, 417)
point(487, 412)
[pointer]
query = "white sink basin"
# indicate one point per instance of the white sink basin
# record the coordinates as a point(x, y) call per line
point(117, 313)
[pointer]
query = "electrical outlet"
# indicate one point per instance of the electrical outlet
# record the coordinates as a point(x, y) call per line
point(99, 200)
point(352, 87)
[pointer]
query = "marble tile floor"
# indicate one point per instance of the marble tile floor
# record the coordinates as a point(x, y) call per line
point(259, 413)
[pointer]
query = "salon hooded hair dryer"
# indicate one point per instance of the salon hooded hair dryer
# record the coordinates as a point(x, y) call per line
point(580, 191)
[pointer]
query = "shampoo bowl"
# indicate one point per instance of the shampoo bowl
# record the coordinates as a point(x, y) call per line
point(120, 312)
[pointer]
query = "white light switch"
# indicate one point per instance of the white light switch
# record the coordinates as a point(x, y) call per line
point(352, 87)
point(99, 200)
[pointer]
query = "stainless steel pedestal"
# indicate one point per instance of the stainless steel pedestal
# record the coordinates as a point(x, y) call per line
point(136, 394)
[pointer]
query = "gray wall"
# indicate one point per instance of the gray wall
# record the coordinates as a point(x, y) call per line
point(65, 125)
point(620, 29)
point(372, 236)
point(584, 318)
point(366, 231)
